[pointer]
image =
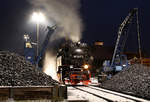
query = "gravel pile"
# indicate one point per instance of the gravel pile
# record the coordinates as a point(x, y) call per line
point(134, 80)
point(16, 71)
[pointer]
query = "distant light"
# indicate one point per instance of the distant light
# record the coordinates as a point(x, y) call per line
point(78, 50)
point(99, 43)
point(26, 37)
point(38, 17)
point(124, 65)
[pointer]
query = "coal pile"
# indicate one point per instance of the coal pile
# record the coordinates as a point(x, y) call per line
point(134, 80)
point(16, 71)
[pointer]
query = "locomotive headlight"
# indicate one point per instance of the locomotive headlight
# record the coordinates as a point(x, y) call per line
point(78, 50)
point(71, 66)
point(86, 66)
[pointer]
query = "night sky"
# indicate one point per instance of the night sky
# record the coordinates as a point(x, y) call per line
point(101, 20)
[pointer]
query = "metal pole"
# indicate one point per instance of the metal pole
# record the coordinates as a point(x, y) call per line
point(37, 41)
point(139, 40)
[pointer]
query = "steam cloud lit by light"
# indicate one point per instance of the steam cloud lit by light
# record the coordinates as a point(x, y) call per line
point(50, 65)
point(63, 13)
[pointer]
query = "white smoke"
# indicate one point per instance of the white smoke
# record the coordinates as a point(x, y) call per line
point(63, 13)
point(50, 65)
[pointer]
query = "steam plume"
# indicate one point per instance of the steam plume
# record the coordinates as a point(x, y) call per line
point(50, 65)
point(63, 13)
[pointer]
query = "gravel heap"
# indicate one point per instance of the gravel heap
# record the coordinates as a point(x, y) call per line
point(16, 71)
point(134, 80)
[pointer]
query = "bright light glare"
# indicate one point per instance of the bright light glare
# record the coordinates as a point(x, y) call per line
point(86, 66)
point(124, 65)
point(78, 50)
point(26, 37)
point(38, 17)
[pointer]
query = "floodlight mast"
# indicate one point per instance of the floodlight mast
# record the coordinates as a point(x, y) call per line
point(38, 17)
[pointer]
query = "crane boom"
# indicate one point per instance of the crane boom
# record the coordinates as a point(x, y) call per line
point(45, 43)
point(122, 35)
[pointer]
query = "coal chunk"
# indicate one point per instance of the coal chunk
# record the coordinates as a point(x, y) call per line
point(16, 71)
point(133, 80)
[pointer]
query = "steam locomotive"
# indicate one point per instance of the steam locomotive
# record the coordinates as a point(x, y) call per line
point(73, 63)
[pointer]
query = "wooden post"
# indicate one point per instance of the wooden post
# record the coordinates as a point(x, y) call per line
point(10, 95)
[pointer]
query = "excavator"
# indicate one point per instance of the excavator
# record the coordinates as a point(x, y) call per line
point(119, 60)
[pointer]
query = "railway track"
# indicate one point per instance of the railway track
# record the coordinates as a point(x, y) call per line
point(96, 94)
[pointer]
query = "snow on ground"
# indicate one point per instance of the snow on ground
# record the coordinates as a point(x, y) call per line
point(94, 81)
point(121, 94)
point(106, 95)
point(74, 94)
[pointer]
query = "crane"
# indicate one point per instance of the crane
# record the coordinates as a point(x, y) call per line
point(118, 57)
point(119, 60)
